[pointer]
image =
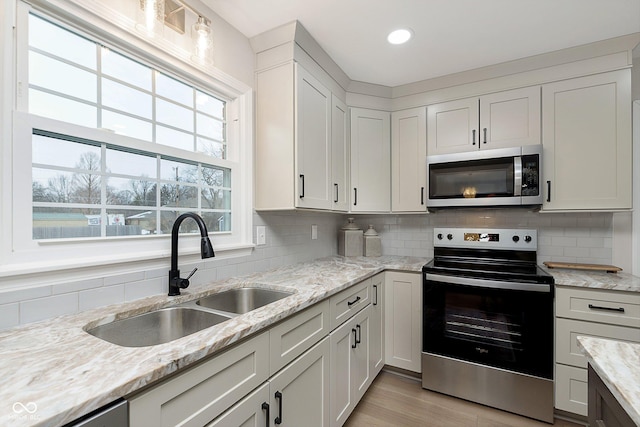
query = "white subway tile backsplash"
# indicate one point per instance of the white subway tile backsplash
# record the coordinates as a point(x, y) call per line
point(80, 285)
point(146, 288)
point(119, 279)
point(100, 297)
point(9, 315)
point(44, 308)
point(9, 296)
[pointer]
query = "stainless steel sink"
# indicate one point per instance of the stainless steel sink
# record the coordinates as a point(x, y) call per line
point(157, 327)
point(241, 300)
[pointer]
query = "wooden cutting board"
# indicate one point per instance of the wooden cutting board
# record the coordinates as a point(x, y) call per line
point(578, 266)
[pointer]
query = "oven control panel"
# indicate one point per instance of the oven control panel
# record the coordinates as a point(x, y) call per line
point(495, 238)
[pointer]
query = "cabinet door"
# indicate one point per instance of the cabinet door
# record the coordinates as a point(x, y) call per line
point(370, 161)
point(339, 155)
point(252, 411)
point(350, 367)
point(300, 392)
point(452, 127)
point(408, 160)
point(313, 143)
point(403, 320)
point(377, 325)
point(586, 136)
point(510, 118)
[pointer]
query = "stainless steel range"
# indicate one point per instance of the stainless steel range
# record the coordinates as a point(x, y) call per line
point(488, 320)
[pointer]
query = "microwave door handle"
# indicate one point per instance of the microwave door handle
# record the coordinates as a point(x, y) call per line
point(517, 176)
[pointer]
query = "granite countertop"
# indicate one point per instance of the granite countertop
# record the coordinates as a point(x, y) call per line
point(620, 281)
point(617, 363)
point(53, 372)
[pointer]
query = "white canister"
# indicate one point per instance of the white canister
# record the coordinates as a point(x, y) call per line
point(372, 242)
point(350, 239)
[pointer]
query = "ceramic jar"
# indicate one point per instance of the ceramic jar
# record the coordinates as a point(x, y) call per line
point(350, 239)
point(372, 242)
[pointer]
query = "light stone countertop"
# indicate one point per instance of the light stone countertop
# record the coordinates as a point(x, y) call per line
point(617, 363)
point(620, 281)
point(53, 372)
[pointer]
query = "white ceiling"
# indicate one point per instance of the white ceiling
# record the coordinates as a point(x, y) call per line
point(450, 35)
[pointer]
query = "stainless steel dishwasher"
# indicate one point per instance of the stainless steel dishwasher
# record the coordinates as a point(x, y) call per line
point(113, 415)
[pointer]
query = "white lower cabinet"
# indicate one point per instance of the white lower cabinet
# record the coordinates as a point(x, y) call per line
point(593, 313)
point(299, 394)
point(376, 343)
point(252, 411)
point(350, 365)
point(403, 320)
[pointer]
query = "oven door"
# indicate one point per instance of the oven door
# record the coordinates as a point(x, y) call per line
point(501, 324)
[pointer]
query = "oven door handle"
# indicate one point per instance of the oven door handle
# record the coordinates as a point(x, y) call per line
point(483, 283)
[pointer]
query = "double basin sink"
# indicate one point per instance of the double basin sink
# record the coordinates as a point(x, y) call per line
point(168, 324)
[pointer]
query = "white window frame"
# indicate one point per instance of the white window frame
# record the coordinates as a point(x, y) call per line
point(19, 252)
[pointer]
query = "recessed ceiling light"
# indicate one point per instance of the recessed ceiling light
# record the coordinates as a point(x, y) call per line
point(399, 36)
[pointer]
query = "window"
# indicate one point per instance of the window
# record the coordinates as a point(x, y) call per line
point(116, 147)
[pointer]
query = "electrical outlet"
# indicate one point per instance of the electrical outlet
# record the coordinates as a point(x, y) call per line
point(261, 235)
point(314, 232)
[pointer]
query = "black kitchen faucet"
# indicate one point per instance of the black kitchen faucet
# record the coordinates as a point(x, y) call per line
point(206, 250)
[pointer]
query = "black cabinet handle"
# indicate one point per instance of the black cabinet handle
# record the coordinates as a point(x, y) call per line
point(484, 141)
point(598, 307)
point(355, 339)
point(473, 136)
point(375, 287)
point(302, 181)
point(358, 335)
point(337, 193)
point(355, 196)
point(548, 191)
point(278, 419)
point(265, 407)
point(422, 195)
point(350, 303)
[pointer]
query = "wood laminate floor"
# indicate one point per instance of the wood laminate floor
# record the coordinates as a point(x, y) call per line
point(393, 400)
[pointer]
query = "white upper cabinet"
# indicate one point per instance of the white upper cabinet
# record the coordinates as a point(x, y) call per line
point(587, 161)
point(313, 141)
point(499, 120)
point(339, 155)
point(300, 142)
point(409, 160)
point(370, 160)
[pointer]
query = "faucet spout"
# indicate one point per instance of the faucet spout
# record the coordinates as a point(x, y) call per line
point(206, 250)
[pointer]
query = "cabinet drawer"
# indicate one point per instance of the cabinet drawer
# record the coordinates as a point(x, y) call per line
point(297, 334)
point(567, 332)
point(571, 389)
point(200, 394)
point(617, 308)
point(349, 302)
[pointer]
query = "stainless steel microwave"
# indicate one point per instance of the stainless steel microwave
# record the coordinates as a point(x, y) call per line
point(500, 177)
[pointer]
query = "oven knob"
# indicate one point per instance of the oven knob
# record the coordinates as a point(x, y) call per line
point(527, 239)
point(516, 238)
point(439, 236)
point(450, 236)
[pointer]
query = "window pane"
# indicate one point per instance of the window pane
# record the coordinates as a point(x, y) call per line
point(212, 148)
point(125, 98)
point(213, 198)
point(125, 69)
point(174, 138)
point(144, 221)
point(50, 38)
point(210, 127)
point(59, 152)
point(65, 223)
point(217, 177)
point(174, 115)
point(167, 218)
point(217, 221)
point(128, 126)
point(174, 90)
point(171, 170)
point(61, 77)
point(63, 109)
point(52, 186)
point(178, 196)
point(131, 192)
point(121, 162)
point(209, 105)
